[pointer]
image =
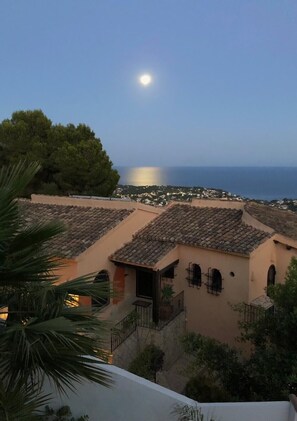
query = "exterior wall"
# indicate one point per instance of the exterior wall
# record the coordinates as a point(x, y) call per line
point(210, 314)
point(134, 398)
point(260, 261)
point(250, 220)
point(96, 258)
point(284, 255)
point(124, 306)
point(67, 271)
point(263, 257)
point(168, 339)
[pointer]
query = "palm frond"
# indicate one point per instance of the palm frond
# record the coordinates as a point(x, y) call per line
point(61, 349)
point(43, 336)
point(13, 180)
point(21, 403)
point(28, 256)
point(85, 286)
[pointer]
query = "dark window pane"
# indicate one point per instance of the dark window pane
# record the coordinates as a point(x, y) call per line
point(214, 285)
point(101, 301)
point(196, 275)
point(144, 284)
point(271, 276)
point(169, 273)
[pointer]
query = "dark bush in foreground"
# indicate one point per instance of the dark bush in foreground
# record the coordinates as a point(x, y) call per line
point(148, 362)
point(203, 389)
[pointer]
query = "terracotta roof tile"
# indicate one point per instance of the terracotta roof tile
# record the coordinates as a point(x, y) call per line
point(143, 252)
point(84, 225)
point(212, 228)
point(281, 221)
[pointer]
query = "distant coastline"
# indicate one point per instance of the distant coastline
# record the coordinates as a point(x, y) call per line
point(163, 195)
point(260, 183)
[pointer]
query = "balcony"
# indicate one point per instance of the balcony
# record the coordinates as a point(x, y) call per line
point(258, 308)
point(142, 316)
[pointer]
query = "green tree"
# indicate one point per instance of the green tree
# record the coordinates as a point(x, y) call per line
point(42, 332)
point(72, 159)
point(270, 372)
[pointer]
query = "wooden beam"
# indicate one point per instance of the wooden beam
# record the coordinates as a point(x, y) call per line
point(156, 296)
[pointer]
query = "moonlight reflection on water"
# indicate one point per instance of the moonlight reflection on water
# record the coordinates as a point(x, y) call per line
point(266, 183)
point(145, 176)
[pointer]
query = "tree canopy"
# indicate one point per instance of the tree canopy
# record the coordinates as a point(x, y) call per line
point(72, 159)
point(270, 372)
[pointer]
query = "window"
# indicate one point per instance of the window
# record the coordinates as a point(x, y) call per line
point(72, 300)
point(169, 273)
point(214, 285)
point(271, 277)
point(144, 284)
point(103, 300)
point(194, 275)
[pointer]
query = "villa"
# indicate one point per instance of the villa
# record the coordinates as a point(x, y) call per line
point(174, 269)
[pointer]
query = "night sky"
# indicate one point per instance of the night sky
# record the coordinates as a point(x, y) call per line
point(224, 76)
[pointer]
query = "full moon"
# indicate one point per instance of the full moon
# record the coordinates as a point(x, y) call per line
point(145, 79)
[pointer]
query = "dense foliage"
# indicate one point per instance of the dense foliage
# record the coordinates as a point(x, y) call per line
point(43, 334)
point(148, 362)
point(72, 158)
point(270, 372)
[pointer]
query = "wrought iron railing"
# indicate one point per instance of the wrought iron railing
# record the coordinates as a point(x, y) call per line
point(251, 314)
point(123, 329)
point(143, 317)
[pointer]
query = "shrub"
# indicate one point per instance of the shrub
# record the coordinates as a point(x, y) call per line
point(148, 362)
point(201, 388)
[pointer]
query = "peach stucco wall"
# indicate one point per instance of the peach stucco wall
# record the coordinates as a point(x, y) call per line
point(285, 250)
point(266, 255)
point(209, 314)
point(260, 261)
point(96, 258)
point(67, 271)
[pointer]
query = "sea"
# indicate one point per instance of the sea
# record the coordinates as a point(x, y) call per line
point(262, 183)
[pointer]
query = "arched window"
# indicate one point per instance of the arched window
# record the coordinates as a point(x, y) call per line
point(194, 275)
point(104, 300)
point(214, 285)
point(271, 277)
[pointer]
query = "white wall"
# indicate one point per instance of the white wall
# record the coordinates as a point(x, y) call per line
point(135, 399)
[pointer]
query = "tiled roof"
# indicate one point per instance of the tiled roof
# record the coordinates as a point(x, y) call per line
point(212, 228)
point(282, 221)
point(142, 251)
point(84, 225)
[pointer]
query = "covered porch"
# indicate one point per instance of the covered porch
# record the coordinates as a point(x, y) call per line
point(154, 302)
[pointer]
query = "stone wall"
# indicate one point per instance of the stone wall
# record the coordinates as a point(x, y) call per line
point(168, 339)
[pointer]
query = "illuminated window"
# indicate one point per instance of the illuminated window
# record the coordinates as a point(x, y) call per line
point(72, 300)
